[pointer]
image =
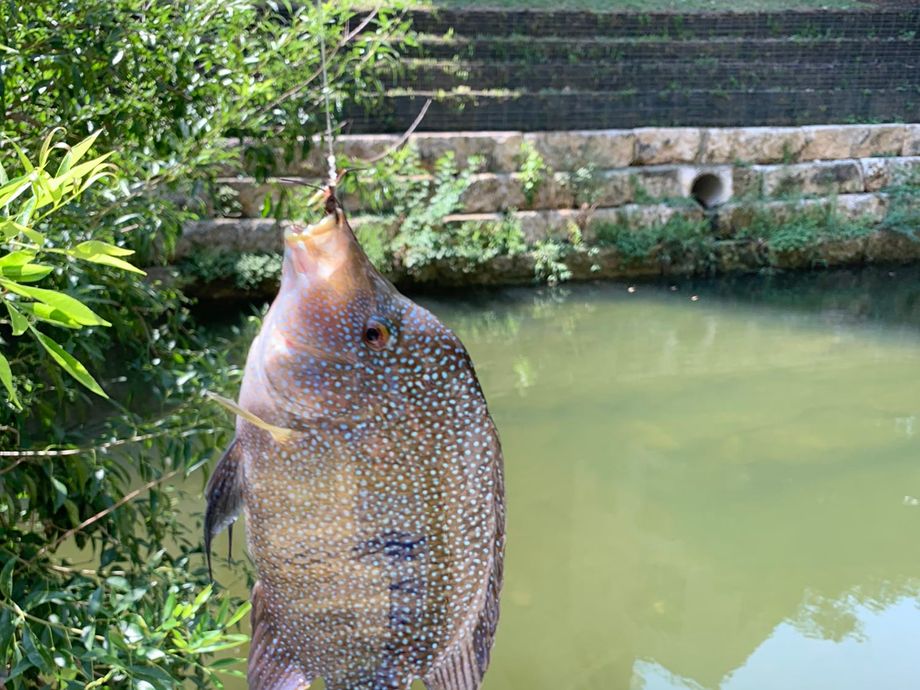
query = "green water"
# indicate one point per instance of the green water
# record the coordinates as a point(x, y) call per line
point(706, 493)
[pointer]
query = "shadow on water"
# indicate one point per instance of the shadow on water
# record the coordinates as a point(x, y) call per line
point(717, 492)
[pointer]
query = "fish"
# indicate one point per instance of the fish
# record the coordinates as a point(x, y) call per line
point(370, 474)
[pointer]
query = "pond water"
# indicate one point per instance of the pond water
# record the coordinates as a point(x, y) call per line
point(710, 485)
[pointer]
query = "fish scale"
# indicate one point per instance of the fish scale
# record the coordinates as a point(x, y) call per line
point(370, 474)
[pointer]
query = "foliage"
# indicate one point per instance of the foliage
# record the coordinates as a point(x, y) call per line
point(29, 199)
point(168, 83)
point(101, 582)
point(805, 228)
point(585, 184)
point(676, 236)
point(183, 88)
point(903, 197)
point(549, 264)
point(532, 171)
point(140, 616)
point(414, 231)
point(651, 5)
point(246, 271)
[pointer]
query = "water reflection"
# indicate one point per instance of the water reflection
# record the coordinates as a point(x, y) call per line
point(706, 494)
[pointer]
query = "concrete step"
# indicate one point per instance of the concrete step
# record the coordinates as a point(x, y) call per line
point(561, 110)
point(692, 51)
point(543, 23)
point(432, 75)
point(606, 149)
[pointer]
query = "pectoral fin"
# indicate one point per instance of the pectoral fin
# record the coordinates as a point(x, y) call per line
point(278, 433)
point(224, 497)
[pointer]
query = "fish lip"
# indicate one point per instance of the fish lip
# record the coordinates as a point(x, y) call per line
point(294, 234)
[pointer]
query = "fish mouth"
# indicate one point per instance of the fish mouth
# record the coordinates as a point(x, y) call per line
point(325, 250)
point(297, 234)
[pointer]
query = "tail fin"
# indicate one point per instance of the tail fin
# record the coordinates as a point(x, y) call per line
point(224, 498)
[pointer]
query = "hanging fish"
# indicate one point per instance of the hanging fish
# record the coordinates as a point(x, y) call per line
point(370, 474)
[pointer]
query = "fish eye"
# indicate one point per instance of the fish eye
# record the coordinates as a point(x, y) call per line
point(376, 334)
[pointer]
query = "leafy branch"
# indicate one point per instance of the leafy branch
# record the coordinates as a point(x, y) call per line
point(26, 201)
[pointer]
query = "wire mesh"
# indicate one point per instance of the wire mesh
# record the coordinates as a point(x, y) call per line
point(533, 70)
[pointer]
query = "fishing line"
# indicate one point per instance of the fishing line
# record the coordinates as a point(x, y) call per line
point(330, 159)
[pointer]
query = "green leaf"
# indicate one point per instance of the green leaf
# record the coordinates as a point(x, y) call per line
point(26, 273)
point(98, 247)
point(73, 308)
point(113, 261)
point(225, 662)
point(69, 363)
point(6, 377)
point(95, 602)
point(33, 235)
point(49, 314)
point(60, 492)
point(73, 513)
point(17, 258)
point(25, 213)
point(23, 158)
point(19, 322)
point(103, 253)
point(12, 189)
point(240, 612)
point(46, 146)
point(202, 597)
point(228, 642)
point(6, 578)
point(9, 228)
point(153, 675)
point(79, 171)
point(42, 661)
point(79, 150)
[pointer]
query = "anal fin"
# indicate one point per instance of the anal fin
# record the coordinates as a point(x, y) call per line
point(270, 666)
point(224, 497)
point(464, 667)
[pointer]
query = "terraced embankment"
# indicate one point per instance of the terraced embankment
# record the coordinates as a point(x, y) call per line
point(542, 70)
point(624, 145)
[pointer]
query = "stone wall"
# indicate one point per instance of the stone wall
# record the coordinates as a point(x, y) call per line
point(647, 165)
point(639, 179)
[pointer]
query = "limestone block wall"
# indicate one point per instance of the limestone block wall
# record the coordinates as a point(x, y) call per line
point(637, 177)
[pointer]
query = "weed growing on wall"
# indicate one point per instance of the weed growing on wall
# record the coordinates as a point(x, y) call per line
point(414, 205)
point(549, 262)
point(804, 229)
point(585, 184)
point(903, 197)
point(245, 271)
point(532, 171)
point(676, 236)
